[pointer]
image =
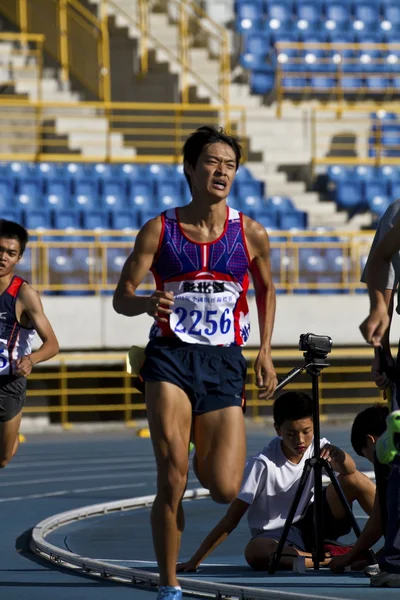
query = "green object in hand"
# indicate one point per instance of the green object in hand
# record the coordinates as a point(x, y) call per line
point(388, 445)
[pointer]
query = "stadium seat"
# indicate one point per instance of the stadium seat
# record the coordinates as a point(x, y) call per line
point(258, 44)
point(37, 219)
point(76, 171)
point(365, 173)
point(389, 172)
point(243, 174)
point(21, 170)
point(339, 173)
point(391, 16)
point(12, 215)
point(116, 258)
point(141, 195)
point(378, 204)
point(394, 190)
point(6, 192)
point(60, 260)
point(24, 267)
point(249, 16)
point(267, 219)
point(374, 188)
point(168, 194)
point(279, 16)
point(366, 15)
point(66, 219)
point(49, 171)
point(292, 220)
point(279, 204)
point(96, 219)
point(130, 172)
point(250, 194)
point(337, 15)
point(309, 15)
point(86, 194)
point(57, 194)
point(159, 172)
point(262, 83)
point(29, 193)
point(311, 260)
point(125, 220)
point(349, 194)
point(114, 195)
point(102, 171)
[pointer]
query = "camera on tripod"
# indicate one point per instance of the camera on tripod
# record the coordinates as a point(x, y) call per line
point(315, 346)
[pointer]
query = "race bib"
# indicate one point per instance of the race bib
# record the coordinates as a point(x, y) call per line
point(203, 311)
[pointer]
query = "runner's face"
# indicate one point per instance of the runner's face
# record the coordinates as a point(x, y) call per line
point(215, 171)
point(296, 436)
point(9, 255)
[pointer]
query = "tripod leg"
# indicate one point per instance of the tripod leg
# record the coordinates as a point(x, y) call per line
point(336, 485)
point(288, 523)
point(318, 554)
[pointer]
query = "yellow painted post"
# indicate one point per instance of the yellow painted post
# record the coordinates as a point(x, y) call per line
point(184, 49)
point(144, 36)
point(64, 396)
point(23, 18)
point(63, 26)
point(105, 74)
point(129, 422)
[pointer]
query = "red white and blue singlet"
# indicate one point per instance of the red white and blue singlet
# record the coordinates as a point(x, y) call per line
point(15, 340)
point(209, 282)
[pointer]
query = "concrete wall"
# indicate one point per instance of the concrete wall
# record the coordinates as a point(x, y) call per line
point(82, 323)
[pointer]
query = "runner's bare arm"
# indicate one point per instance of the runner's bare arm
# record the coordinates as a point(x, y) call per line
point(378, 321)
point(31, 306)
point(260, 269)
point(136, 267)
point(227, 524)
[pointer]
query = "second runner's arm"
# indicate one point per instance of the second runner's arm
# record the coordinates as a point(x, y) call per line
point(260, 269)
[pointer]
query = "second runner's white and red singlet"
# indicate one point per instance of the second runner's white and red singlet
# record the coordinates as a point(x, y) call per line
point(209, 282)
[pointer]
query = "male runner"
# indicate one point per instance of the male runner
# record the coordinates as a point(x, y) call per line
point(374, 329)
point(194, 371)
point(21, 314)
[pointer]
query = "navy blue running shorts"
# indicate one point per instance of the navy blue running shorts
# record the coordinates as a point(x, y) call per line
point(12, 396)
point(213, 377)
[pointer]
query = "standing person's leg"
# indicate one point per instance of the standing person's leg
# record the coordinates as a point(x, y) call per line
point(169, 414)
point(9, 439)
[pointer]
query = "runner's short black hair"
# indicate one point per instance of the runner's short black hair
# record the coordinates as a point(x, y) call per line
point(205, 136)
point(292, 406)
point(370, 421)
point(14, 231)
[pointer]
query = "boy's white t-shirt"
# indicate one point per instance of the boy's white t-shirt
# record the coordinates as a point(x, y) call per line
point(269, 484)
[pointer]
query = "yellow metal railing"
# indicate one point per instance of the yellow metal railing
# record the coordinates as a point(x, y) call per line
point(74, 36)
point(338, 62)
point(105, 131)
point(88, 383)
point(354, 134)
point(94, 265)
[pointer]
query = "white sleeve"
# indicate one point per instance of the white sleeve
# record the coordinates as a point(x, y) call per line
point(254, 473)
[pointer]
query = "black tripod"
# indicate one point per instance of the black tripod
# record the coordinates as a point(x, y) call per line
point(313, 366)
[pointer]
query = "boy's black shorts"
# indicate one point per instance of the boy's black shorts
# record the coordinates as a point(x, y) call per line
point(333, 529)
point(213, 377)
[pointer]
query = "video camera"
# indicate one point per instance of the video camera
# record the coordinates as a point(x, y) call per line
point(315, 346)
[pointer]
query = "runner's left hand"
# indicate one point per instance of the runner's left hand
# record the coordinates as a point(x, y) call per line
point(266, 378)
point(23, 366)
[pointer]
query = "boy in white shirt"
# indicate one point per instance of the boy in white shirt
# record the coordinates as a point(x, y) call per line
point(270, 482)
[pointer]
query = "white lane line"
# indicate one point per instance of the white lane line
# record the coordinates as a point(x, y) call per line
point(56, 463)
point(103, 488)
point(77, 478)
point(77, 469)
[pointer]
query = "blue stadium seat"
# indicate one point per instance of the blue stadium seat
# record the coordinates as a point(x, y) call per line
point(295, 83)
point(60, 261)
point(337, 15)
point(394, 190)
point(378, 85)
point(349, 194)
point(6, 192)
point(66, 219)
point(141, 195)
point(250, 194)
point(37, 219)
point(267, 219)
point(254, 61)
point(375, 188)
point(292, 220)
point(364, 173)
point(114, 195)
point(258, 44)
point(249, 16)
point(125, 220)
point(24, 267)
point(353, 84)
point(391, 15)
point(102, 171)
point(279, 204)
point(309, 15)
point(29, 193)
point(96, 219)
point(378, 204)
point(76, 171)
point(50, 170)
point(339, 173)
point(17, 170)
point(336, 260)
point(57, 194)
point(323, 83)
point(311, 260)
point(159, 172)
point(243, 174)
point(262, 83)
point(168, 194)
point(389, 172)
point(12, 215)
point(279, 16)
point(116, 258)
point(86, 194)
point(130, 171)
point(366, 15)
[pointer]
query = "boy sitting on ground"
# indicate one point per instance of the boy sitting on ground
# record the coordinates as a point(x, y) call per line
point(269, 484)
